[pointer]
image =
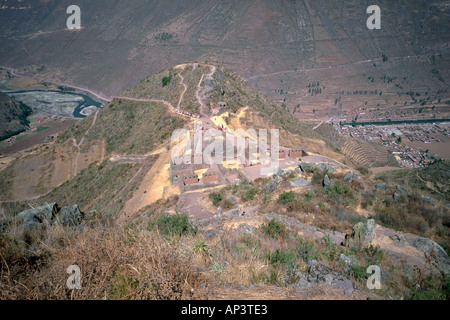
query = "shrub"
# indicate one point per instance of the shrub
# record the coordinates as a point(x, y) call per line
point(306, 250)
point(216, 197)
point(274, 229)
point(374, 254)
point(286, 197)
point(166, 80)
point(250, 194)
point(281, 257)
point(359, 272)
point(177, 224)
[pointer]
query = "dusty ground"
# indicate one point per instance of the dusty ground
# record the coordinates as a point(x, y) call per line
point(319, 292)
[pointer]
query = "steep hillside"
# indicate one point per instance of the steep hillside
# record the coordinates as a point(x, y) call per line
point(132, 132)
point(229, 228)
point(13, 116)
point(277, 45)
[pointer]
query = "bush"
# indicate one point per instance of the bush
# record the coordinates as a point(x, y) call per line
point(359, 272)
point(286, 197)
point(250, 194)
point(281, 257)
point(178, 224)
point(374, 254)
point(274, 229)
point(166, 80)
point(216, 197)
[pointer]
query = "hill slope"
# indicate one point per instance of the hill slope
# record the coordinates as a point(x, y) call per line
point(265, 41)
point(13, 116)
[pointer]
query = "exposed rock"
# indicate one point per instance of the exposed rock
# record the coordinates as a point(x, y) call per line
point(427, 200)
point(303, 166)
point(272, 186)
point(244, 227)
point(69, 216)
point(319, 273)
point(286, 174)
point(299, 182)
point(326, 167)
point(402, 190)
point(347, 262)
point(279, 172)
point(219, 211)
point(381, 186)
point(349, 177)
point(50, 214)
point(232, 198)
point(210, 233)
point(363, 234)
point(326, 181)
point(36, 217)
point(428, 245)
point(397, 237)
point(396, 196)
point(298, 170)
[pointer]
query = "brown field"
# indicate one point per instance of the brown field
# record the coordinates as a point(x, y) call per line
point(37, 138)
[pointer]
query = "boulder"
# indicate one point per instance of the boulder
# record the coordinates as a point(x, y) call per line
point(396, 197)
point(381, 186)
point(326, 181)
point(303, 166)
point(320, 273)
point(286, 174)
point(36, 217)
point(210, 233)
point(402, 190)
point(347, 262)
point(428, 245)
point(279, 172)
point(349, 177)
point(232, 198)
point(326, 167)
point(50, 214)
point(427, 200)
point(69, 216)
point(363, 234)
point(299, 182)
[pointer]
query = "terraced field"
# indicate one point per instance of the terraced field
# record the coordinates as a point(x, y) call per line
point(365, 154)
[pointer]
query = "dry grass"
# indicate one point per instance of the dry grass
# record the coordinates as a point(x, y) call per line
point(114, 263)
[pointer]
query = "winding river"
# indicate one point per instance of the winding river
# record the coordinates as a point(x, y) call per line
point(82, 101)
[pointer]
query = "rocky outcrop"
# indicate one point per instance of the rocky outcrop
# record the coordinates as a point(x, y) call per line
point(69, 216)
point(427, 245)
point(35, 217)
point(326, 181)
point(402, 191)
point(319, 273)
point(326, 167)
point(362, 235)
point(50, 214)
point(349, 177)
point(299, 182)
point(381, 186)
point(347, 262)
